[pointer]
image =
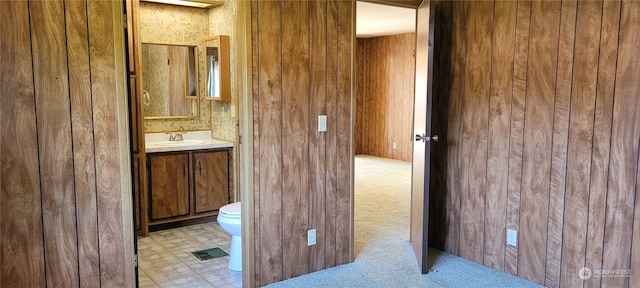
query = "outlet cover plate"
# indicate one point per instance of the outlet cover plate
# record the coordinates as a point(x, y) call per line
point(322, 123)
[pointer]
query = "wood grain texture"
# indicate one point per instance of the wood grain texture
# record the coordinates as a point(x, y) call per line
point(624, 147)
point(344, 144)
point(168, 185)
point(83, 144)
point(583, 101)
point(634, 279)
point(384, 101)
point(331, 135)
point(602, 138)
point(408, 89)
point(295, 137)
point(270, 139)
point(454, 140)
point(536, 160)
point(51, 82)
point(516, 138)
point(211, 180)
point(499, 117)
point(104, 47)
point(304, 176)
point(317, 140)
point(560, 142)
point(566, 171)
point(420, 168)
point(475, 128)
point(255, 129)
point(20, 198)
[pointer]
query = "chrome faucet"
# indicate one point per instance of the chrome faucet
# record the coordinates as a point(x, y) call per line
point(175, 137)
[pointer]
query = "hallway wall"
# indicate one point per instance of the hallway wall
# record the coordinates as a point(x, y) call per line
point(302, 68)
point(543, 133)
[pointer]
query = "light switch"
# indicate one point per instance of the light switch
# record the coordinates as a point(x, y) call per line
point(311, 237)
point(322, 123)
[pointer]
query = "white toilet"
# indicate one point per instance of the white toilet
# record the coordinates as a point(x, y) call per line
point(229, 220)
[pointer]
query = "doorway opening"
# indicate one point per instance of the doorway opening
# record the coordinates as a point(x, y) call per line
point(385, 84)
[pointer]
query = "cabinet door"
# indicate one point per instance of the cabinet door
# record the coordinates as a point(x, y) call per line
point(168, 185)
point(211, 172)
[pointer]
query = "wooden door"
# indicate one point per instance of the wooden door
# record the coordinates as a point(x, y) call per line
point(168, 185)
point(422, 130)
point(211, 177)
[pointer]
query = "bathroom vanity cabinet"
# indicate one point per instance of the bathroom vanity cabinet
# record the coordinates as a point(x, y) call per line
point(187, 186)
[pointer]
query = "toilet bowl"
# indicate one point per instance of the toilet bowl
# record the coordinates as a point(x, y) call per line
point(229, 220)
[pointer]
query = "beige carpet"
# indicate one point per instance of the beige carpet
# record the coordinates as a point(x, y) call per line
point(382, 200)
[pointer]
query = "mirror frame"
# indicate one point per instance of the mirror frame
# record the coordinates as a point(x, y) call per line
point(225, 67)
point(187, 96)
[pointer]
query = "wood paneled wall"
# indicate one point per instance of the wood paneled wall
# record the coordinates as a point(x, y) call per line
point(385, 77)
point(543, 131)
point(302, 68)
point(65, 152)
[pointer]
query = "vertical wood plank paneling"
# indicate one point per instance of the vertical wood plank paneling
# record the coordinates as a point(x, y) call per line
point(602, 138)
point(21, 230)
point(583, 98)
point(454, 139)
point(54, 138)
point(255, 89)
point(536, 160)
point(317, 145)
point(344, 145)
point(516, 138)
point(83, 145)
point(103, 57)
point(395, 70)
point(624, 147)
point(559, 146)
point(499, 117)
point(295, 137)
point(270, 139)
point(361, 93)
point(331, 134)
point(406, 140)
point(634, 280)
point(475, 126)
point(385, 74)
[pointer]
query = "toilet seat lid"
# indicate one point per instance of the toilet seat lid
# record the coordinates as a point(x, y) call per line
point(231, 209)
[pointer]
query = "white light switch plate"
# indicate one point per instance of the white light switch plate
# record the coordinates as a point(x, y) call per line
point(311, 237)
point(322, 123)
point(512, 237)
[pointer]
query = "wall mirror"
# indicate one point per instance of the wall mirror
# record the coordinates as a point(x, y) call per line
point(169, 81)
point(217, 70)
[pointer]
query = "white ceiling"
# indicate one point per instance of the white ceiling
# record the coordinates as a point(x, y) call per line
point(373, 20)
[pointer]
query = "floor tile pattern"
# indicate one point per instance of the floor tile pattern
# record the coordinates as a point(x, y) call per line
point(165, 258)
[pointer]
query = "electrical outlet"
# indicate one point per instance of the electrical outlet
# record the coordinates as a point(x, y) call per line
point(311, 237)
point(322, 123)
point(395, 145)
point(512, 237)
point(233, 111)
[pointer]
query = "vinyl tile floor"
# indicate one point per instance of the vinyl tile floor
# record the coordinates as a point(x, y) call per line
point(165, 259)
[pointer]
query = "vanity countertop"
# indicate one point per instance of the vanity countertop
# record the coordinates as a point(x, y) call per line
point(169, 146)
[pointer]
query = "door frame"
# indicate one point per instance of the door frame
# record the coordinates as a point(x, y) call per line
point(244, 82)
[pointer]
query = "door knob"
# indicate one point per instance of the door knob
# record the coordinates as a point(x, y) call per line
point(425, 138)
